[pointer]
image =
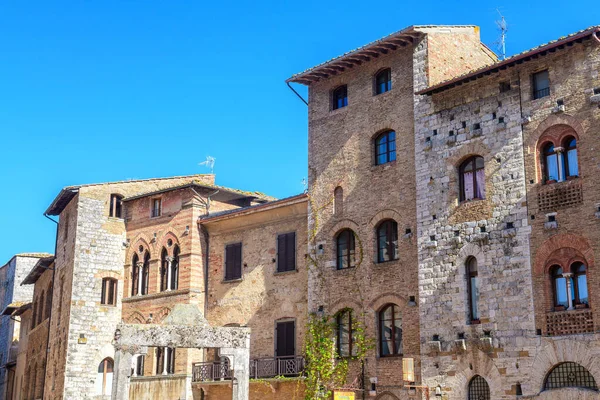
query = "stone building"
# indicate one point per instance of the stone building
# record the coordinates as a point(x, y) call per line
point(507, 212)
point(363, 216)
point(12, 297)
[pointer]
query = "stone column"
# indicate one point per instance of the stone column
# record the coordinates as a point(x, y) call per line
point(240, 362)
point(140, 266)
point(165, 358)
point(122, 371)
point(559, 161)
point(568, 276)
point(169, 263)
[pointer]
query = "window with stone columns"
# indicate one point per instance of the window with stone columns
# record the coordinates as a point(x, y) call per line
point(116, 206)
point(164, 268)
point(569, 286)
point(138, 367)
point(558, 157)
point(135, 273)
point(144, 284)
point(109, 292)
point(174, 276)
point(165, 361)
point(169, 270)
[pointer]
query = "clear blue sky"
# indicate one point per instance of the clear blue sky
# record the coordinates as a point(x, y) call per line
point(96, 91)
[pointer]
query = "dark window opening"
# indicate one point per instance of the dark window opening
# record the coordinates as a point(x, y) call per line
point(286, 252)
point(390, 331)
point(569, 374)
point(116, 206)
point(156, 208)
point(479, 389)
point(345, 334)
point(233, 261)
point(473, 289)
point(285, 339)
point(504, 87)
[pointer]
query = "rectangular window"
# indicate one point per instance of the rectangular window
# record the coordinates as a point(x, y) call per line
point(116, 206)
point(109, 292)
point(233, 261)
point(541, 84)
point(286, 252)
point(285, 333)
point(156, 208)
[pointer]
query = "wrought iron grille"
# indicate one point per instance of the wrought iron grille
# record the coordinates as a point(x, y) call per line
point(211, 371)
point(479, 389)
point(570, 374)
point(259, 368)
point(538, 94)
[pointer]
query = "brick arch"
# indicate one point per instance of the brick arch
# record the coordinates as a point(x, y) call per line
point(548, 251)
point(140, 239)
point(161, 315)
point(387, 396)
point(552, 122)
point(483, 366)
point(475, 148)
point(343, 224)
point(135, 317)
point(344, 303)
point(163, 242)
point(382, 215)
point(388, 298)
point(559, 351)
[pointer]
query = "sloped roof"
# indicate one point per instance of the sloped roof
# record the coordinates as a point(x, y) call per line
point(38, 269)
point(401, 38)
point(520, 58)
point(255, 208)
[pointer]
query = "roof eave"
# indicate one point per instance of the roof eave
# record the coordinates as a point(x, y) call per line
point(38, 269)
point(510, 62)
point(61, 201)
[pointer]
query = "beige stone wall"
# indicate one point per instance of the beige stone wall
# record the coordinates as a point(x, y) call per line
point(259, 390)
point(263, 296)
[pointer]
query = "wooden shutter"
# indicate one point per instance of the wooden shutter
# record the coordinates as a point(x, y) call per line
point(281, 253)
point(286, 252)
point(233, 261)
point(285, 336)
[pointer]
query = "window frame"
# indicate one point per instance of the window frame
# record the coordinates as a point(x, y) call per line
point(470, 274)
point(350, 248)
point(338, 319)
point(155, 212)
point(461, 173)
point(553, 279)
point(387, 83)
point(109, 284)
point(589, 378)
point(229, 275)
point(576, 274)
point(135, 270)
point(340, 93)
point(566, 148)
point(283, 260)
point(393, 351)
point(391, 229)
point(146, 274)
point(540, 93)
point(388, 153)
point(116, 206)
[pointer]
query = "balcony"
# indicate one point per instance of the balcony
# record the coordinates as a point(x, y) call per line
point(259, 369)
point(571, 322)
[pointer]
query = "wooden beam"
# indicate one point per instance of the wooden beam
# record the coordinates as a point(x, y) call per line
point(389, 46)
point(348, 64)
point(371, 53)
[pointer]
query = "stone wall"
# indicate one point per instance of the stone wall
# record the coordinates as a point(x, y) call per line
point(268, 389)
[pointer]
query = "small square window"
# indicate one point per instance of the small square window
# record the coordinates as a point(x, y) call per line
point(541, 84)
point(109, 292)
point(464, 124)
point(476, 126)
point(597, 90)
point(501, 120)
point(340, 97)
point(116, 206)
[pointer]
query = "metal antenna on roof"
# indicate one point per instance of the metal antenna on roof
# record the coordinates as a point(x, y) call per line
point(210, 163)
point(502, 40)
point(305, 185)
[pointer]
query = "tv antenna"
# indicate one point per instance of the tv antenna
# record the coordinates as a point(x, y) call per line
point(501, 23)
point(305, 185)
point(210, 163)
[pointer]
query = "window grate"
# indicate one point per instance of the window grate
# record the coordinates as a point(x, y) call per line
point(569, 374)
point(479, 389)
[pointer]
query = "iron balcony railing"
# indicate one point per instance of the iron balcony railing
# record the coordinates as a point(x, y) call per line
point(259, 368)
point(538, 94)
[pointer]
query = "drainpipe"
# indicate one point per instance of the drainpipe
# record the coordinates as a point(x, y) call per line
point(51, 313)
point(206, 269)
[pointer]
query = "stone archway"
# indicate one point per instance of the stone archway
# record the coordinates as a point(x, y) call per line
point(185, 327)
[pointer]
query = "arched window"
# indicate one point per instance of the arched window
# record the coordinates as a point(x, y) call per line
point(472, 179)
point(116, 205)
point(135, 272)
point(385, 147)
point(580, 291)
point(104, 378)
point(387, 241)
point(338, 201)
point(559, 287)
point(479, 389)
point(146, 273)
point(175, 269)
point(551, 164)
point(569, 374)
point(340, 97)
point(345, 333)
point(473, 289)
point(383, 81)
point(390, 331)
point(345, 243)
point(164, 266)
point(571, 164)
